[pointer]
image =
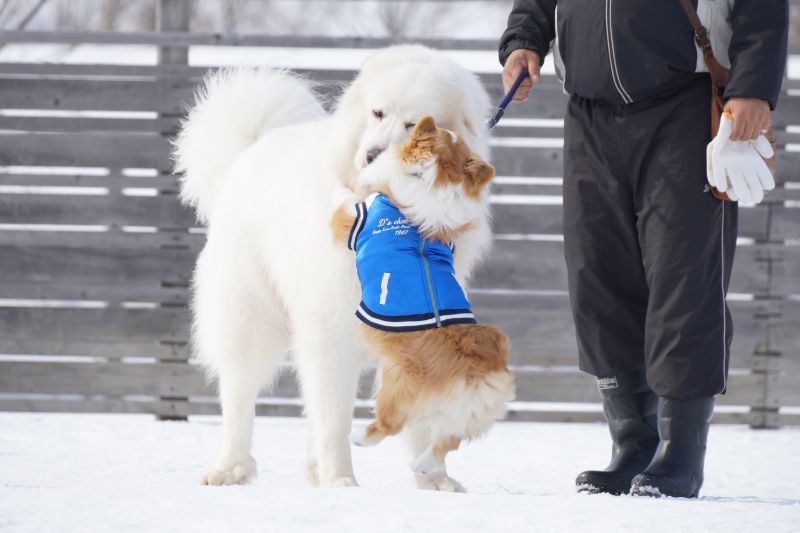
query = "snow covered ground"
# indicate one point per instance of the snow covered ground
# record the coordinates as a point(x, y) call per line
point(130, 473)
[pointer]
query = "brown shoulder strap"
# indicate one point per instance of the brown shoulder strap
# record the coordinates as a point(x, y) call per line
point(719, 74)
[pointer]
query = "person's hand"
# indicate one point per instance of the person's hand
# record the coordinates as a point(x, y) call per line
point(750, 117)
point(738, 167)
point(518, 61)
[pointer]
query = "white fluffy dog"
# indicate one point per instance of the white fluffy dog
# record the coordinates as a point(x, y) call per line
point(264, 165)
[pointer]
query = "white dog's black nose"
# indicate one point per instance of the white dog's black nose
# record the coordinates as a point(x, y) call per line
point(372, 154)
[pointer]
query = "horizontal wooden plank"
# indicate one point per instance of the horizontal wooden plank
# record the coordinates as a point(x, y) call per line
point(540, 327)
point(124, 294)
point(503, 131)
point(523, 265)
point(785, 222)
point(58, 124)
point(787, 419)
point(116, 379)
point(544, 386)
point(172, 94)
point(540, 265)
point(785, 264)
point(114, 150)
point(549, 101)
point(73, 262)
point(172, 408)
point(782, 137)
point(113, 181)
point(179, 38)
point(542, 332)
point(20, 324)
point(50, 70)
point(162, 238)
point(185, 409)
point(120, 379)
point(776, 362)
point(134, 89)
point(528, 161)
point(184, 380)
point(165, 95)
point(111, 350)
point(786, 390)
point(55, 404)
point(109, 275)
point(111, 210)
point(121, 150)
point(543, 415)
point(546, 219)
point(263, 408)
point(184, 39)
point(166, 211)
point(507, 185)
point(784, 332)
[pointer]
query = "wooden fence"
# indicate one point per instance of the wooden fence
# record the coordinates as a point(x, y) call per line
point(96, 252)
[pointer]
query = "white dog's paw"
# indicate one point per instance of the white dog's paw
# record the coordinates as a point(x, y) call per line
point(438, 481)
point(238, 473)
point(339, 482)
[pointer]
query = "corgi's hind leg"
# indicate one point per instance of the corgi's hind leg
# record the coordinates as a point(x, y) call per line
point(392, 407)
point(432, 460)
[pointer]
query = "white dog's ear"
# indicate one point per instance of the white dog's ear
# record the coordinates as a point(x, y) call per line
point(349, 122)
point(475, 111)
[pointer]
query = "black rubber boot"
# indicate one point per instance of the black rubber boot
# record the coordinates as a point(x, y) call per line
point(630, 407)
point(677, 467)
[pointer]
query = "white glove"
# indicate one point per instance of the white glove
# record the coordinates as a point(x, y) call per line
point(738, 167)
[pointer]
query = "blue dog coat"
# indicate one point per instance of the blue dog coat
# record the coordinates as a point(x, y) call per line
point(407, 282)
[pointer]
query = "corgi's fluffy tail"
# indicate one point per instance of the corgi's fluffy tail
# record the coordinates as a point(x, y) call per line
point(233, 108)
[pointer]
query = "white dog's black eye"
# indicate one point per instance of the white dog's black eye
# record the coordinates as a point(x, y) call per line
point(409, 125)
point(377, 113)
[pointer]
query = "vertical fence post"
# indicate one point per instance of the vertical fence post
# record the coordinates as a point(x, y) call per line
point(766, 360)
point(171, 16)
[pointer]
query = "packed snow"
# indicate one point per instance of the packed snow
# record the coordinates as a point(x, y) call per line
point(67, 472)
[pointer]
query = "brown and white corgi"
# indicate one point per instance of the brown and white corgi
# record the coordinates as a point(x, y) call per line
point(439, 370)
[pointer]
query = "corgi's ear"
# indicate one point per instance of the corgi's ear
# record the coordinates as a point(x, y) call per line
point(477, 174)
point(424, 127)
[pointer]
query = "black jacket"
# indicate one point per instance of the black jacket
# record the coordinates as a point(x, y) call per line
point(622, 51)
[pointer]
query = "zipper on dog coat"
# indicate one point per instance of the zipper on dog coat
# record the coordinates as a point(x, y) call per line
point(408, 282)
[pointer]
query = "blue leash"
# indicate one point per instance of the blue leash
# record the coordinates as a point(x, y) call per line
point(498, 114)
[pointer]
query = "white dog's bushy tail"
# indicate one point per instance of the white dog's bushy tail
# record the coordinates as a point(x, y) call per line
point(233, 108)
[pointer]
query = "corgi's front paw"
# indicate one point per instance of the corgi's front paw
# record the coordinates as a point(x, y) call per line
point(439, 481)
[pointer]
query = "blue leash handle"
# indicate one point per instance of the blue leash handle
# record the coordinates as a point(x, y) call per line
point(498, 114)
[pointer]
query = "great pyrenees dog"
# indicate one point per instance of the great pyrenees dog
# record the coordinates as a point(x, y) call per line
point(265, 165)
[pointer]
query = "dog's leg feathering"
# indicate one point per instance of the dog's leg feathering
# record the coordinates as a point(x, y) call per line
point(419, 440)
point(329, 365)
point(234, 464)
point(243, 350)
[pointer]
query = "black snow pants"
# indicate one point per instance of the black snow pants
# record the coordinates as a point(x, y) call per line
point(649, 249)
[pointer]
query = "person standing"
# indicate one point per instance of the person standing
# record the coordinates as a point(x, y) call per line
point(648, 248)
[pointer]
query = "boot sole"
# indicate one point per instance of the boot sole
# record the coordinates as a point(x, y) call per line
point(586, 488)
point(649, 489)
point(594, 482)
